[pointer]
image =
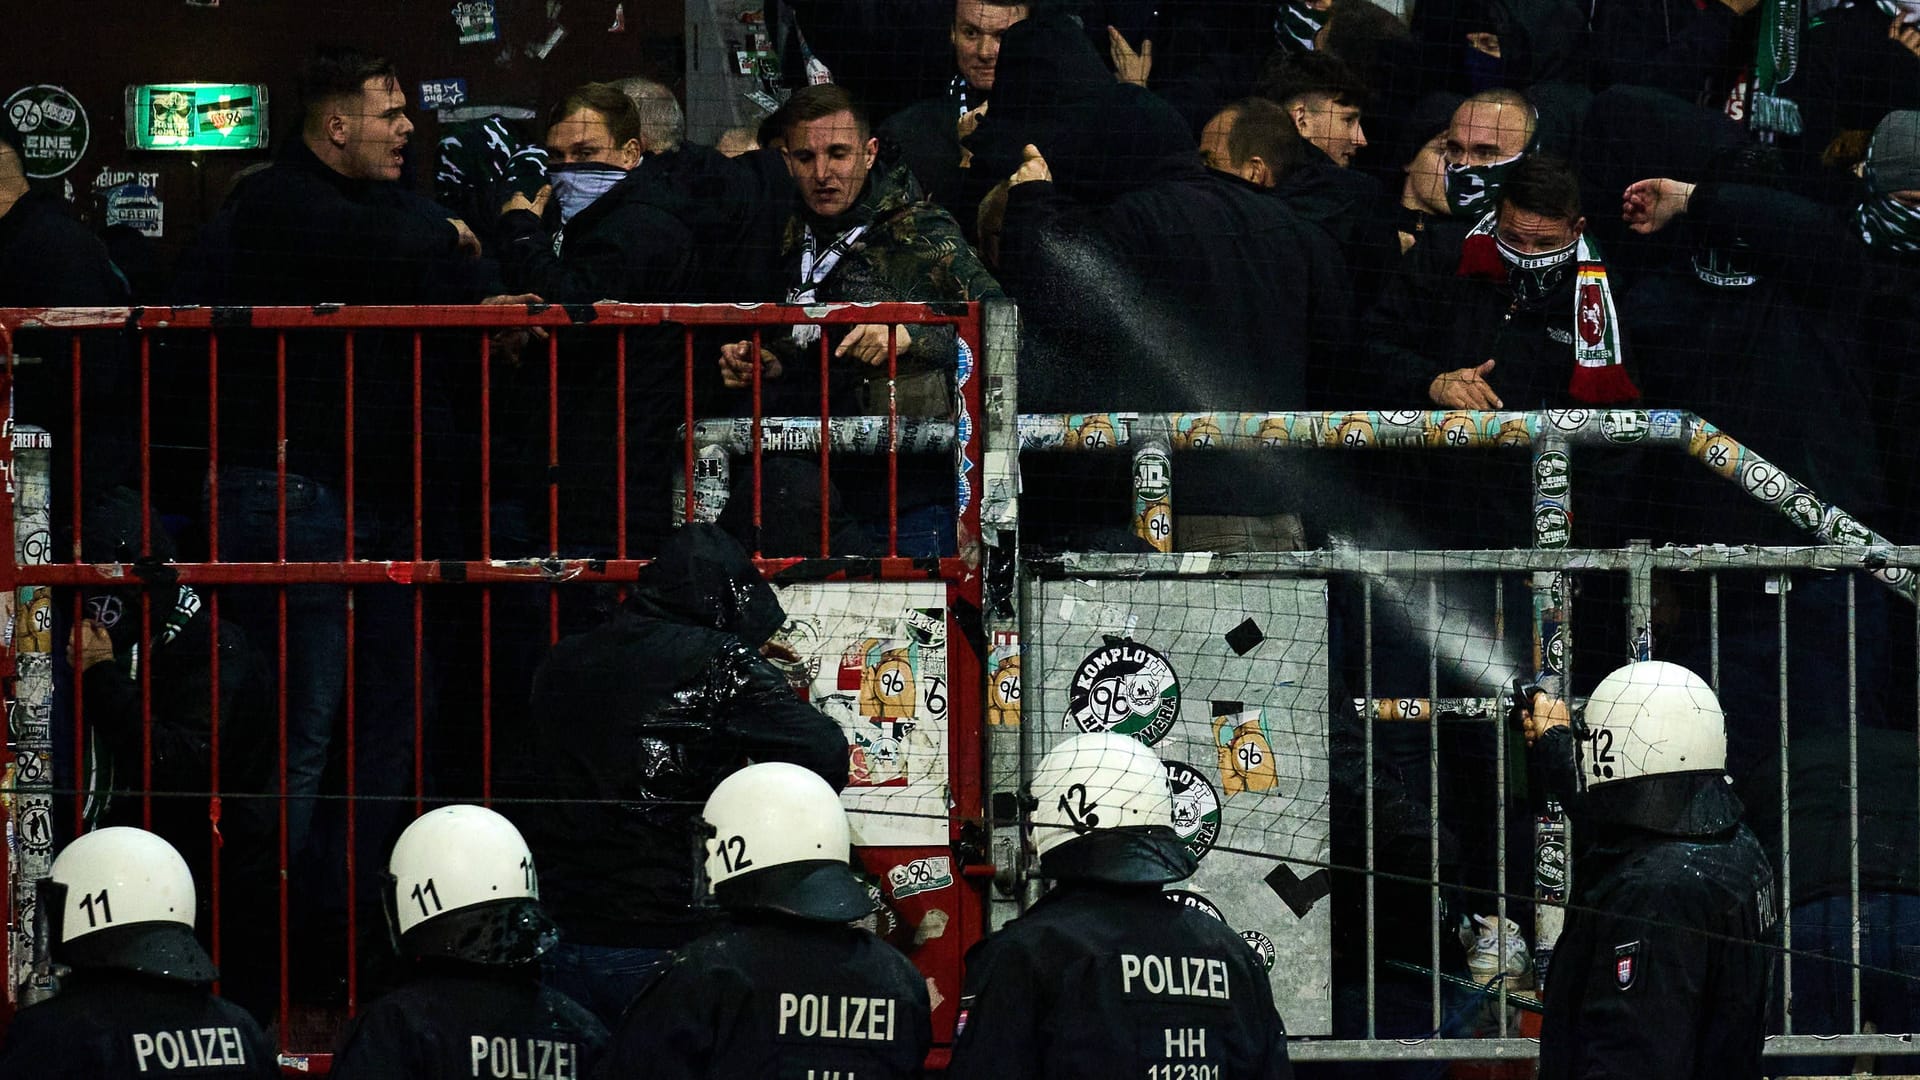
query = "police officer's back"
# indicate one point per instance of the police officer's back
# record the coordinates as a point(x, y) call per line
point(464, 903)
point(120, 908)
point(1661, 970)
point(785, 989)
point(1105, 976)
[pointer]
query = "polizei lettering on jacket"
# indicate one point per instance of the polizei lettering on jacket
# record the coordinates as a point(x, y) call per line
point(836, 1016)
point(1174, 976)
point(193, 1048)
point(523, 1059)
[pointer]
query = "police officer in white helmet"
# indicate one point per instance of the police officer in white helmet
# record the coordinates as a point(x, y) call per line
point(463, 905)
point(1105, 976)
point(118, 910)
point(1661, 970)
point(784, 987)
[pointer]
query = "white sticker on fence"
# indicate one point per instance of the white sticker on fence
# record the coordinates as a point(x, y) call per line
point(876, 657)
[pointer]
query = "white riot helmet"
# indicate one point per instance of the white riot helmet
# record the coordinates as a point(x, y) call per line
point(1649, 719)
point(461, 884)
point(1103, 809)
point(780, 842)
point(123, 898)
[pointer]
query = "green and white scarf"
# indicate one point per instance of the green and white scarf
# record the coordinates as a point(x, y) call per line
point(1774, 64)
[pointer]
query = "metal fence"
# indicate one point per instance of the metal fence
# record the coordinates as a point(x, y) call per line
point(885, 641)
point(1040, 617)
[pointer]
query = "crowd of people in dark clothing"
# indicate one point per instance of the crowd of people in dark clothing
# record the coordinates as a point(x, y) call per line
point(1197, 205)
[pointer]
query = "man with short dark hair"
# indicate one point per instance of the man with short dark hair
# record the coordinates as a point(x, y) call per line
point(1324, 97)
point(330, 223)
point(864, 233)
point(928, 133)
point(1255, 140)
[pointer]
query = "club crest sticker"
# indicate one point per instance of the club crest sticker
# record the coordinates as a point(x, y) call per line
point(1196, 808)
point(920, 876)
point(1125, 688)
point(1262, 946)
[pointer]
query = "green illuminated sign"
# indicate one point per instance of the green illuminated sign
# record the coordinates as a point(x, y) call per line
point(197, 116)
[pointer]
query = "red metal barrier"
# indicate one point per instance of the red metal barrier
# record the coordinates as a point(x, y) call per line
point(472, 563)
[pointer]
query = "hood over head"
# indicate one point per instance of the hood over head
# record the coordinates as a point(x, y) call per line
point(1122, 139)
point(1046, 67)
point(703, 576)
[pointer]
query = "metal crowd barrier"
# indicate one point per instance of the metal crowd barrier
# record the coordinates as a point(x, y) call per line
point(926, 827)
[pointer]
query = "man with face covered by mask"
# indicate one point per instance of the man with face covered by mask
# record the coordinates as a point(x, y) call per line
point(1520, 302)
point(612, 242)
point(617, 239)
point(1489, 134)
point(1517, 314)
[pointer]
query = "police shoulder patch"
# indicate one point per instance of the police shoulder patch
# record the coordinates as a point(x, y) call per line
point(1626, 965)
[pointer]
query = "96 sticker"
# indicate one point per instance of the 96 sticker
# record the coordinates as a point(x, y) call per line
point(921, 875)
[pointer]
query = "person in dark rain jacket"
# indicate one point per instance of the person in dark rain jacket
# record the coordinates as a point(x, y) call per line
point(632, 724)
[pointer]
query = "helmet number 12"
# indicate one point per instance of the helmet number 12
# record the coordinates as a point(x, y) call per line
point(105, 913)
point(422, 892)
point(733, 854)
point(1603, 753)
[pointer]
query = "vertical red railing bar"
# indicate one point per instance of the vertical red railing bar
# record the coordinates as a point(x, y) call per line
point(826, 483)
point(486, 555)
point(419, 600)
point(77, 440)
point(280, 651)
point(620, 444)
point(146, 713)
point(146, 550)
point(893, 445)
point(79, 695)
point(553, 478)
point(213, 620)
point(758, 371)
point(349, 455)
point(79, 728)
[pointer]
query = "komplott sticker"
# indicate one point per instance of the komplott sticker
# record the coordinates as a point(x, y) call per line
point(1126, 688)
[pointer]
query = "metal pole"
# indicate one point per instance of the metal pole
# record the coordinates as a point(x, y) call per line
point(1153, 491)
point(1553, 655)
point(1853, 786)
point(1366, 728)
point(1783, 583)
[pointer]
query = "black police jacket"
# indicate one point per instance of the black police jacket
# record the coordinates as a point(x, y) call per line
point(634, 724)
point(780, 998)
point(110, 1025)
point(1110, 981)
point(1662, 969)
point(466, 1021)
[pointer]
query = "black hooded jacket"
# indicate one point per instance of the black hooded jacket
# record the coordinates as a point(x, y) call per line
point(638, 720)
point(1149, 282)
point(1661, 970)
